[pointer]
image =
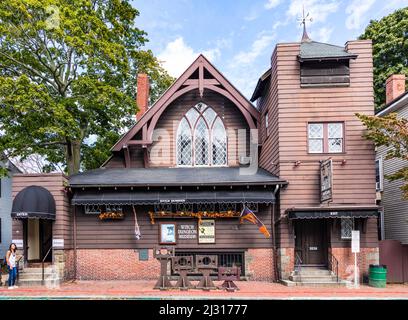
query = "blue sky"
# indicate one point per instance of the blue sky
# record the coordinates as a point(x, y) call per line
point(238, 36)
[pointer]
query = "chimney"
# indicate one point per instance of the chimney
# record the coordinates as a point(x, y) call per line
point(142, 94)
point(394, 86)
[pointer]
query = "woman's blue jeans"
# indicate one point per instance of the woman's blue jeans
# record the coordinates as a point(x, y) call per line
point(12, 276)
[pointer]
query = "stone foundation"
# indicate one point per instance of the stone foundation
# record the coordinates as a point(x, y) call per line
point(286, 262)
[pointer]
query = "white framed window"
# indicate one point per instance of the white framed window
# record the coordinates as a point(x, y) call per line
point(326, 137)
point(379, 174)
point(201, 138)
point(347, 225)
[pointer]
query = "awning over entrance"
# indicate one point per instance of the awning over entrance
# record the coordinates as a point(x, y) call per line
point(33, 202)
point(341, 212)
point(161, 197)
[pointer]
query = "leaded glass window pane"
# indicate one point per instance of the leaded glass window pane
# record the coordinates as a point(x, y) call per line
point(347, 225)
point(184, 144)
point(335, 133)
point(209, 115)
point(201, 143)
point(201, 106)
point(315, 145)
point(219, 144)
point(192, 116)
point(316, 130)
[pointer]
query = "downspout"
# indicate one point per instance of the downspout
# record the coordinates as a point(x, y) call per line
point(75, 245)
point(274, 245)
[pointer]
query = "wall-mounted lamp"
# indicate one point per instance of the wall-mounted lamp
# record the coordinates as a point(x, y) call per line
point(297, 163)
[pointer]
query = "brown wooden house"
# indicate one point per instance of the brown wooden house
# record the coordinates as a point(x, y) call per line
point(202, 152)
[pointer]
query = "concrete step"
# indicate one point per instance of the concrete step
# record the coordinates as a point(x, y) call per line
point(36, 270)
point(313, 271)
point(331, 284)
point(36, 275)
point(37, 282)
point(313, 278)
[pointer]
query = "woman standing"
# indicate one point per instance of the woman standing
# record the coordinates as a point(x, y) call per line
point(11, 266)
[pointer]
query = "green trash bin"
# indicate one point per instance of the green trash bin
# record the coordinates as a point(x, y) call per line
point(377, 276)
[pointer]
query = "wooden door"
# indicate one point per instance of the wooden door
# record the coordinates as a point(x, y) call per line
point(311, 241)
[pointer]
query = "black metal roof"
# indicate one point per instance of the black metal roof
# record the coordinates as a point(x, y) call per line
point(312, 50)
point(105, 177)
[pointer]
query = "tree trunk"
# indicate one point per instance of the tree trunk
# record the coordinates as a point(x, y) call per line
point(73, 156)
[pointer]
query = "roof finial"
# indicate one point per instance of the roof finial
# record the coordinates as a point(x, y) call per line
point(305, 36)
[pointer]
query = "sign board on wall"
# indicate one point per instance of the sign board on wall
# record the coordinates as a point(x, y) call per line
point(326, 180)
point(18, 242)
point(206, 231)
point(58, 243)
point(355, 241)
point(187, 232)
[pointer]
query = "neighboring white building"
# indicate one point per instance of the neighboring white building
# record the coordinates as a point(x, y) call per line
point(5, 206)
point(395, 223)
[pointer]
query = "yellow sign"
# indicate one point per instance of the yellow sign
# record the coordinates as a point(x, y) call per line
point(206, 231)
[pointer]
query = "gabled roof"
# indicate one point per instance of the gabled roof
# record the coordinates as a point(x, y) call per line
point(394, 105)
point(312, 50)
point(184, 84)
point(260, 86)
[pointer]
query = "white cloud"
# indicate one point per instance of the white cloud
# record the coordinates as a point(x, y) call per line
point(323, 34)
point(262, 42)
point(356, 11)
point(177, 56)
point(319, 10)
point(272, 4)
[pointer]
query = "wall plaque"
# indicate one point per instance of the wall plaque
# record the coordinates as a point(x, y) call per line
point(187, 231)
point(206, 231)
point(58, 243)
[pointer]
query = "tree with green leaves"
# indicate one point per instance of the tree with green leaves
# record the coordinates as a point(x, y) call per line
point(68, 72)
point(390, 49)
point(390, 131)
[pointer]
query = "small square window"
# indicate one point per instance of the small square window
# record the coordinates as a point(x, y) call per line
point(347, 225)
point(326, 137)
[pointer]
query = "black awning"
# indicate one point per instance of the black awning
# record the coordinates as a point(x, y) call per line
point(33, 202)
point(157, 197)
point(319, 214)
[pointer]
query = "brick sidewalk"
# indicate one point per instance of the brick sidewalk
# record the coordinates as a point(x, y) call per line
point(249, 290)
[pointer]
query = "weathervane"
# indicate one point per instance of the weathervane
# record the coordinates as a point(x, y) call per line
point(305, 36)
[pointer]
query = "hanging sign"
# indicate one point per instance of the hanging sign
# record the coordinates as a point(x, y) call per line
point(206, 231)
point(326, 181)
point(355, 241)
point(187, 231)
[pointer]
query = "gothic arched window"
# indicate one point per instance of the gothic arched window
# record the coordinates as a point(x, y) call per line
point(201, 138)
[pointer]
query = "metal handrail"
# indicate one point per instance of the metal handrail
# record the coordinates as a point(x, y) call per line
point(42, 264)
point(334, 265)
point(298, 265)
point(18, 267)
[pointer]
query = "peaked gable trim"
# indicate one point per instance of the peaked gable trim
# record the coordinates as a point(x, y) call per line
point(149, 119)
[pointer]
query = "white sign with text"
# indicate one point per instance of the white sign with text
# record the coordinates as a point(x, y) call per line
point(355, 241)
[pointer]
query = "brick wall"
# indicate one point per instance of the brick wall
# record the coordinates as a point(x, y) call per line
point(286, 262)
point(259, 264)
point(116, 264)
point(345, 257)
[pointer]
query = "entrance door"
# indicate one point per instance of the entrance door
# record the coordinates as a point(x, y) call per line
point(311, 241)
point(38, 239)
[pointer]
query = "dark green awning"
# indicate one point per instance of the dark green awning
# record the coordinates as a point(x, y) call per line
point(319, 214)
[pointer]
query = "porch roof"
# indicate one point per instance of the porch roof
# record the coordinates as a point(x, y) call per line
point(333, 212)
point(140, 177)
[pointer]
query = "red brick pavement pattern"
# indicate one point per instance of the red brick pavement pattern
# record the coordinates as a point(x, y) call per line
point(106, 264)
point(249, 289)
